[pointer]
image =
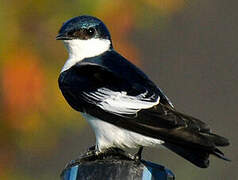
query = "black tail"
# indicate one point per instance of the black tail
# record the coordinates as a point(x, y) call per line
point(199, 157)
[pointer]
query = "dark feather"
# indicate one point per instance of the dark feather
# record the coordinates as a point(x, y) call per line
point(183, 134)
point(198, 157)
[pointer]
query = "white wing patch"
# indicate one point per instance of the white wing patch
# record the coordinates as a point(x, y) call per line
point(119, 102)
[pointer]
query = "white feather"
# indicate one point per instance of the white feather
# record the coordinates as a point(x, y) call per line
point(119, 102)
point(79, 49)
point(109, 135)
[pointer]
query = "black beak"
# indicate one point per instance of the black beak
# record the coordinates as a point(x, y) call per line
point(62, 37)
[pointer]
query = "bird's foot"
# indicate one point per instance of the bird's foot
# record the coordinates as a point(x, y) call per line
point(91, 154)
point(117, 153)
point(94, 154)
point(137, 156)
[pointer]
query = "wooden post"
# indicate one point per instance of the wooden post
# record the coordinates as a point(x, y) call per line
point(115, 168)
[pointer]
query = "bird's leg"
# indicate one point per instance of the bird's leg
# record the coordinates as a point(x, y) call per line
point(113, 152)
point(137, 156)
point(90, 155)
point(93, 154)
point(117, 152)
point(92, 148)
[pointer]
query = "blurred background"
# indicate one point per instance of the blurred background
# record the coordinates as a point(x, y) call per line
point(188, 47)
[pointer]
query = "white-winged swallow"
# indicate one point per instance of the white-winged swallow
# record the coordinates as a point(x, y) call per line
point(122, 105)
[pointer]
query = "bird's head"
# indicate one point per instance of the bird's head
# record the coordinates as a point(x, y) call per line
point(85, 36)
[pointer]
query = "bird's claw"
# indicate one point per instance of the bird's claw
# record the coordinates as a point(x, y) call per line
point(94, 154)
point(137, 156)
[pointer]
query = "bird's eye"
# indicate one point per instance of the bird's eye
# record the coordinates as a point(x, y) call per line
point(82, 33)
point(90, 32)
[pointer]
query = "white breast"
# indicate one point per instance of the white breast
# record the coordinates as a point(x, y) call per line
point(109, 135)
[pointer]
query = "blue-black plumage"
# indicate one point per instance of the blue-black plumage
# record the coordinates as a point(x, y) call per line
point(123, 106)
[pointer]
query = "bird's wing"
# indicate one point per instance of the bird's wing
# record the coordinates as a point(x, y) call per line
point(114, 90)
point(111, 83)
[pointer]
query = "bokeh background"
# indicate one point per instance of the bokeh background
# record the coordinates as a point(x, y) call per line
point(188, 47)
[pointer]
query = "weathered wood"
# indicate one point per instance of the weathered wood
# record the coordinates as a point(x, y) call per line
point(115, 168)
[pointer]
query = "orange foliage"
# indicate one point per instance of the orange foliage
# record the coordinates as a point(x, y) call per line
point(22, 84)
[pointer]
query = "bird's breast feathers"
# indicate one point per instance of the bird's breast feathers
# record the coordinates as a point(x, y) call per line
point(109, 135)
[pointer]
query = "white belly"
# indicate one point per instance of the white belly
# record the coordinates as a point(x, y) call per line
point(109, 135)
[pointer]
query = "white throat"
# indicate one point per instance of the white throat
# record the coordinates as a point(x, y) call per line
point(79, 49)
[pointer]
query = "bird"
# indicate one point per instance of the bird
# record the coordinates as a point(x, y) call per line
point(122, 105)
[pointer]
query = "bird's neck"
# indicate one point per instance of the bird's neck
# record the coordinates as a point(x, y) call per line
point(81, 49)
